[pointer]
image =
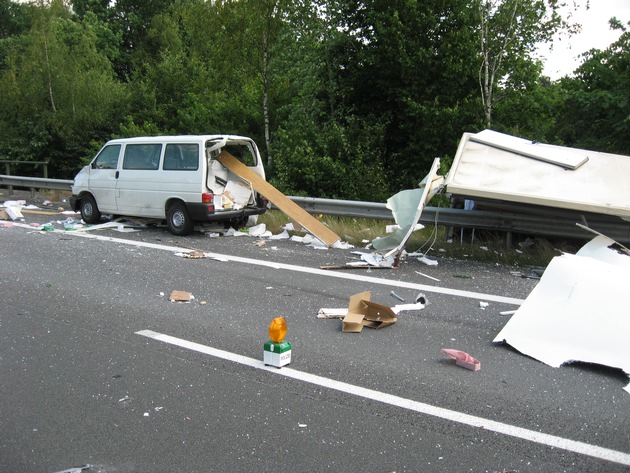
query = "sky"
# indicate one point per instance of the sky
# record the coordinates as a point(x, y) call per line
point(596, 33)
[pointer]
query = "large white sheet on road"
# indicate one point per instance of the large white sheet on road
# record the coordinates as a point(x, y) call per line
point(578, 311)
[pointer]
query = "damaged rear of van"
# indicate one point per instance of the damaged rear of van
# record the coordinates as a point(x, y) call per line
point(176, 178)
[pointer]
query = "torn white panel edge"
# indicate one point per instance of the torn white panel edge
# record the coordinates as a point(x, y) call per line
point(578, 311)
point(431, 183)
point(558, 155)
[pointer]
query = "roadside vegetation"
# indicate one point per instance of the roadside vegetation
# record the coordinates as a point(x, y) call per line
point(349, 100)
point(436, 241)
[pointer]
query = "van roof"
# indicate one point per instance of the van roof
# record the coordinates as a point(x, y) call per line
point(177, 138)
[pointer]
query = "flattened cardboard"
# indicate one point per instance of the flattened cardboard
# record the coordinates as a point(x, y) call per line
point(180, 296)
point(286, 205)
point(364, 313)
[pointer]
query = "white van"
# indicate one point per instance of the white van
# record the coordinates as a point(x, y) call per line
point(176, 178)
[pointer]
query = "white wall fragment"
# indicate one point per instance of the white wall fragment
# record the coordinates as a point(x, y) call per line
point(578, 311)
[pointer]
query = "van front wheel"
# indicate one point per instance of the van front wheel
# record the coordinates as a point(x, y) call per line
point(178, 221)
point(89, 210)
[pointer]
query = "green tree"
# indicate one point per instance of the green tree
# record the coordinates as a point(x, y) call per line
point(60, 91)
point(396, 79)
point(596, 112)
point(509, 33)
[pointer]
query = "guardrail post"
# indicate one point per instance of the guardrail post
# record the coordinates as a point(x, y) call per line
point(8, 172)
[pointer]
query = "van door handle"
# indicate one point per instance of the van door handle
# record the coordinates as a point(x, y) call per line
point(117, 174)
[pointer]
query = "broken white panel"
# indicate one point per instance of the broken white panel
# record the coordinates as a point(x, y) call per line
point(406, 207)
point(565, 157)
point(578, 311)
point(259, 230)
point(280, 236)
point(485, 171)
point(374, 259)
point(237, 192)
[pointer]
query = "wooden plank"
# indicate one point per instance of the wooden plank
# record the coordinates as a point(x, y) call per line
point(286, 205)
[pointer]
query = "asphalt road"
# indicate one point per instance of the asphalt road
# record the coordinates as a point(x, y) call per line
point(84, 383)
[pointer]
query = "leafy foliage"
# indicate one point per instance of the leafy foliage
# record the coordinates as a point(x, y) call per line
point(347, 99)
point(595, 114)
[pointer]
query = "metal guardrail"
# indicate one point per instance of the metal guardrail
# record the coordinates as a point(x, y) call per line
point(534, 221)
point(35, 182)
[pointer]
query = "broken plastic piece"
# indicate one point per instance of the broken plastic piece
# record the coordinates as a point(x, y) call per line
point(76, 469)
point(462, 359)
point(428, 261)
point(393, 294)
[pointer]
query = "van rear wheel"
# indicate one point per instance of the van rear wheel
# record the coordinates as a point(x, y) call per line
point(89, 210)
point(178, 220)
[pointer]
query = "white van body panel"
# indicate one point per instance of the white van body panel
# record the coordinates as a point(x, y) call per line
point(144, 176)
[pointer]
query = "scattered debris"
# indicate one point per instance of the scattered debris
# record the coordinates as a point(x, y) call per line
point(427, 276)
point(76, 469)
point(406, 207)
point(181, 296)
point(364, 313)
point(13, 210)
point(340, 313)
point(193, 254)
point(393, 294)
point(483, 304)
point(578, 310)
point(119, 225)
point(332, 313)
point(428, 261)
point(507, 312)
point(462, 359)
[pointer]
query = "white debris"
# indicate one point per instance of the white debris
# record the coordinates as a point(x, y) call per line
point(428, 261)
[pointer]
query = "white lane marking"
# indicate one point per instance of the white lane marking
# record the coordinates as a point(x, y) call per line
point(419, 407)
point(304, 269)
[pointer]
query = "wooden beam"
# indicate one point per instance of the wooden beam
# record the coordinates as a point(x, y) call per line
point(286, 205)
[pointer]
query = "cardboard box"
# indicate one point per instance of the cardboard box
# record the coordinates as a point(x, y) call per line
point(364, 313)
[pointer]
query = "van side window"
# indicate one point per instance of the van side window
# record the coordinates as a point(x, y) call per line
point(181, 157)
point(142, 156)
point(107, 158)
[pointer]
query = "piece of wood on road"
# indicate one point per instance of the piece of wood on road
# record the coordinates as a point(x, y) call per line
point(286, 205)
